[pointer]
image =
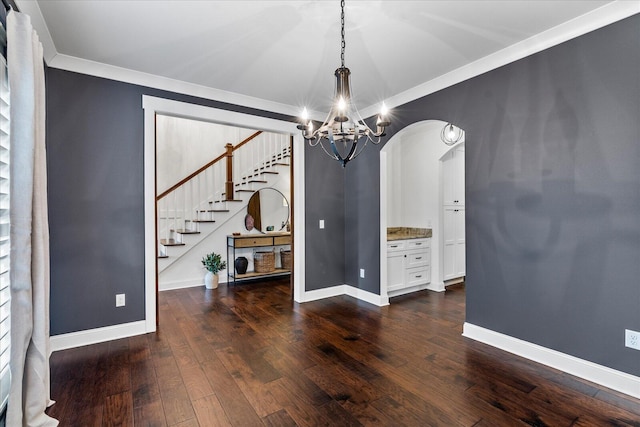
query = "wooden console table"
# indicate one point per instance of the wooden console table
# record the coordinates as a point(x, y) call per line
point(254, 241)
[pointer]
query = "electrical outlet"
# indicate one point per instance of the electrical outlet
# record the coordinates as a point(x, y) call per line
point(120, 300)
point(362, 273)
point(632, 339)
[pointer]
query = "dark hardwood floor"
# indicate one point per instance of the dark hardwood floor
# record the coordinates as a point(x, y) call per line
point(249, 356)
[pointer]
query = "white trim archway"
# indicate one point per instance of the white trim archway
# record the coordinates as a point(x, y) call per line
point(152, 106)
point(429, 132)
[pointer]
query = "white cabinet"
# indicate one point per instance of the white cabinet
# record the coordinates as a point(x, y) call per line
point(453, 215)
point(453, 177)
point(454, 242)
point(408, 264)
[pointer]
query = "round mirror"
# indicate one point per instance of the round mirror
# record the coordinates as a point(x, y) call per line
point(268, 210)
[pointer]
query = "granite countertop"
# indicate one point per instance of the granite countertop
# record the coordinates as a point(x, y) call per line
point(403, 233)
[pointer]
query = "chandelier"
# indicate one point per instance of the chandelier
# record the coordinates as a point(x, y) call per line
point(344, 133)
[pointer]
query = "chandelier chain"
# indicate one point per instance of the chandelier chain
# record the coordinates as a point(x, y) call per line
point(343, 44)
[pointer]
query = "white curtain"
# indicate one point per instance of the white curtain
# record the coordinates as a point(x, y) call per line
point(29, 395)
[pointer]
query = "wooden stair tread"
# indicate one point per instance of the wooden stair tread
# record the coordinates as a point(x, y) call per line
point(213, 210)
point(163, 256)
point(204, 220)
point(185, 231)
point(257, 181)
point(170, 242)
point(223, 201)
point(245, 190)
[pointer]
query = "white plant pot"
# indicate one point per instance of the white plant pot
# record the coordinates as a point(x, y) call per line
point(211, 280)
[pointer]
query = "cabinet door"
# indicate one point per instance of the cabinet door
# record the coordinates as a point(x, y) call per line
point(460, 245)
point(458, 178)
point(395, 271)
point(452, 218)
point(448, 179)
point(453, 178)
point(448, 257)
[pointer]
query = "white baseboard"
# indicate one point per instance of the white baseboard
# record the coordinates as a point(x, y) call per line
point(405, 291)
point(607, 377)
point(349, 290)
point(334, 291)
point(182, 284)
point(436, 286)
point(366, 296)
point(94, 336)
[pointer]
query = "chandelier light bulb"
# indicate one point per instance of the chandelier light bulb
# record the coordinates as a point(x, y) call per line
point(451, 134)
point(384, 110)
point(341, 104)
point(305, 115)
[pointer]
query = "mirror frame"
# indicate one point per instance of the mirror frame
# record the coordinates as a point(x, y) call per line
point(250, 220)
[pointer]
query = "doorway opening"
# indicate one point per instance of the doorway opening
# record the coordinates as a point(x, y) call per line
point(154, 106)
point(415, 175)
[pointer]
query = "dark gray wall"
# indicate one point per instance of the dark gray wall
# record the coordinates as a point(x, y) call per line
point(553, 206)
point(324, 249)
point(553, 195)
point(96, 212)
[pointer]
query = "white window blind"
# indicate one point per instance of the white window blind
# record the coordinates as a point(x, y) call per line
point(5, 295)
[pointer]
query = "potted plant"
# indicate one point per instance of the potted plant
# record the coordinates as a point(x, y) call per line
point(214, 263)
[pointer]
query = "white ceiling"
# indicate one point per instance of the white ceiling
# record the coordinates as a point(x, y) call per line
point(283, 53)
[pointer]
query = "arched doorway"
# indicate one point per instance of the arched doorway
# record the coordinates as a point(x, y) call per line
point(412, 194)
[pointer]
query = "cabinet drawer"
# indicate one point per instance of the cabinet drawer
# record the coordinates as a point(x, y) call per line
point(418, 276)
point(254, 241)
point(396, 245)
point(418, 243)
point(282, 240)
point(418, 258)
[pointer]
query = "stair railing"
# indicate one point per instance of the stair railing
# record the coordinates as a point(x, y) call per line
point(192, 200)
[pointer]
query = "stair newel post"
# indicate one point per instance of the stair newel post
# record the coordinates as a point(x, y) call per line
point(229, 183)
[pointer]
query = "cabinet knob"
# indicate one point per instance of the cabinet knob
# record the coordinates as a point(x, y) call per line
point(405, 256)
point(418, 257)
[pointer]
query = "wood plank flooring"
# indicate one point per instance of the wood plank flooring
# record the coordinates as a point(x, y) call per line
point(249, 356)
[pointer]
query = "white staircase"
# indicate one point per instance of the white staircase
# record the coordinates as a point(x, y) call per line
point(199, 207)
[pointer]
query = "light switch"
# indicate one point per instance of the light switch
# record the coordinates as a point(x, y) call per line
point(322, 223)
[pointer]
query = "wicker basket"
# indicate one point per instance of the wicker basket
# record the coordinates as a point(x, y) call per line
point(264, 262)
point(285, 259)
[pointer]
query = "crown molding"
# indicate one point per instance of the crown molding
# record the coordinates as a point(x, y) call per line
point(98, 69)
point(598, 18)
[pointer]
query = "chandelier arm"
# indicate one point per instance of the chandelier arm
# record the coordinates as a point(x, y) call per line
point(333, 156)
point(377, 140)
point(359, 119)
point(336, 153)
